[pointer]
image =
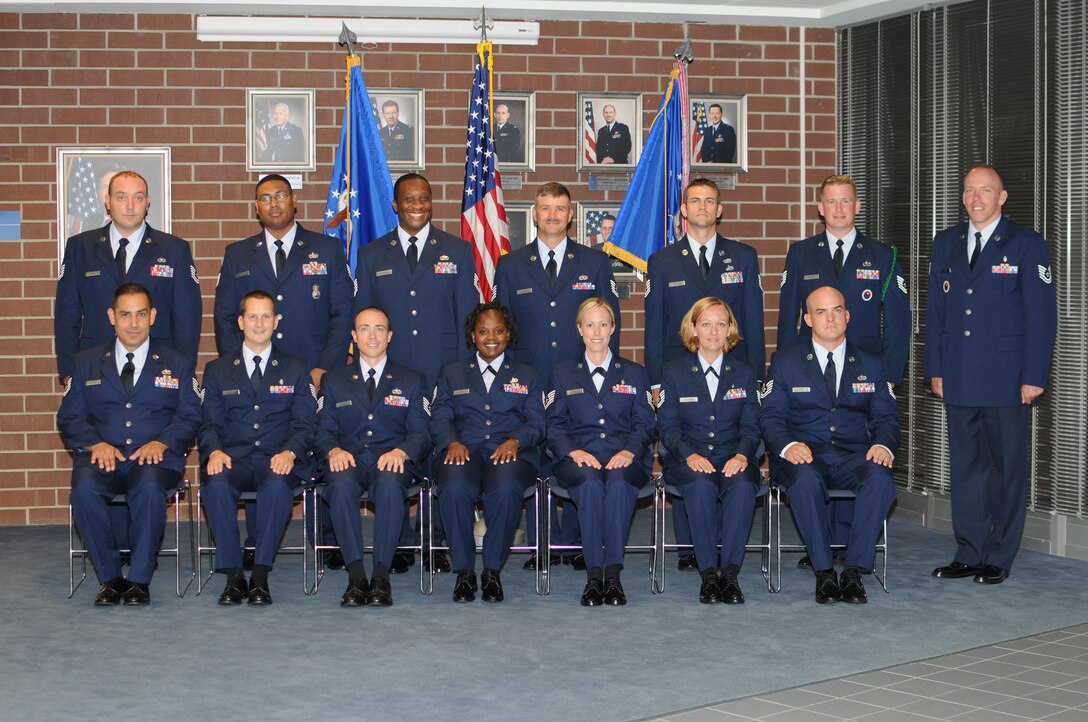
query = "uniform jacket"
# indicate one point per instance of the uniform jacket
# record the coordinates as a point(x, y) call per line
point(463, 410)
point(720, 146)
point(398, 141)
point(546, 331)
point(619, 417)
point(287, 144)
point(313, 298)
point(865, 271)
point(796, 405)
point(88, 278)
point(508, 144)
point(397, 418)
point(281, 415)
point(164, 405)
point(675, 283)
point(426, 308)
point(690, 422)
point(615, 144)
point(991, 329)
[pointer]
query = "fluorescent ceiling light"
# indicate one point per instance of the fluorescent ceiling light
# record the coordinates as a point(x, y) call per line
point(211, 28)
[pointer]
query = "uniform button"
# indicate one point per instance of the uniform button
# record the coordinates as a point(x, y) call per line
point(415, 312)
point(415, 332)
point(256, 426)
point(600, 407)
point(966, 333)
point(967, 312)
point(832, 428)
point(553, 324)
point(487, 423)
point(603, 435)
point(256, 407)
point(487, 437)
point(370, 417)
point(128, 405)
point(128, 442)
point(555, 344)
point(710, 447)
point(600, 421)
point(257, 442)
point(279, 334)
point(552, 304)
point(711, 418)
point(128, 424)
point(411, 293)
point(970, 291)
point(279, 296)
point(710, 435)
point(487, 407)
point(370, 433)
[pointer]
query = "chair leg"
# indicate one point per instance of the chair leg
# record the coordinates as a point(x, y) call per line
point(73, 585)
point(426, 571)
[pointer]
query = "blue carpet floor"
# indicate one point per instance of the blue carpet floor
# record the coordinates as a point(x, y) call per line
point(532, 658)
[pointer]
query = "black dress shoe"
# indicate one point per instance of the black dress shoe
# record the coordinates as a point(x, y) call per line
point(687, 563)
point(593, 594)
point(990, 574)
point(827, 587)
point(381, 592)
point(137, 595)
point(259, 593)
point(731, 593)
point(402, 561)
point(247, 559)
point(530, 563)
point(956, 570)
point(441, 562)
point(492, 586)
point(235, 590)
point(465, 588)
point(613, 592)
point(356, 593)
point(575, 561)
point(109, 593)
point(804, 562)
point(851, 588)
point(710, 592)
point(334, 559)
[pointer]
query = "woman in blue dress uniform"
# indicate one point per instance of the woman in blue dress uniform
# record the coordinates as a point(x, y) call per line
point(487, 421)
point(709, 420)
point(600, 426)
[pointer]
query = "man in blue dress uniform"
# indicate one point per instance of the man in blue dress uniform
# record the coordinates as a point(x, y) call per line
point(830, 422)
point(260, 416)
point(130, 412)
point(991, 321)
point(720, 140)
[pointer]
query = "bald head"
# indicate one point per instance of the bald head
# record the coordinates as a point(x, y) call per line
point(826, 315)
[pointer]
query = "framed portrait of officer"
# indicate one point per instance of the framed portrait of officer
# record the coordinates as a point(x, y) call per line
point(609, 132)
point(718, 128)
point(595, 224)
point(83, 181)
point(281, 126)
point(519, 218)
point(514, 129)
point(400, 112)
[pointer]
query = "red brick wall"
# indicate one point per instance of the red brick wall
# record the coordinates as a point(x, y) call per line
point(132, 80)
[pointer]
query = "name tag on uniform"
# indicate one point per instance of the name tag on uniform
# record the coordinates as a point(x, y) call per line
point(92, 274)
point(445, 268)
point(341, 404)
point(281, 389)
point(733, 277)
point(241, 274)
point(624, 389)
point(231, 392)
point(1005, 269)
point(734, 394)
point(676, 284)
point(313, 268)
point(688, 399)
point(864, 388)
point(93, 382)
point(386, 272)
point(162, 271)
point(812, 277)
point(868, 274)
point(801, 389)
point(461, 392)
point(523, 291)
point(515, 388)
point(572, 392)
point(398, 401)
point(166, 382)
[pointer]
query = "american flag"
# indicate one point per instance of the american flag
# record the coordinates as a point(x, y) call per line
point(593, 226)
point(83, 199)
point(483, 215)
point(698, 114)
point(590, 135)
point(260, 137)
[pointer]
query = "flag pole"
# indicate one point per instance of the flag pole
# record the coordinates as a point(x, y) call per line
point(348, 38)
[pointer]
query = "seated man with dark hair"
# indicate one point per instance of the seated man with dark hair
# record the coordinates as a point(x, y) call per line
point(260, 416)
point(130, 411)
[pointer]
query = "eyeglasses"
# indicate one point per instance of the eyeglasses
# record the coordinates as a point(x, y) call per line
point(280, 197)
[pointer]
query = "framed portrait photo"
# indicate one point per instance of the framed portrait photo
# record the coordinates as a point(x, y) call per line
point(519, 216)
point(281, 125)
point(610, 134)
point(719, 132)
point(595, 224)
point(83, 179)
point(514, 130)
point(400, 113)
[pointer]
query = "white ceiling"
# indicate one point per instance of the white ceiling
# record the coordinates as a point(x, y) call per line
point(812, 13)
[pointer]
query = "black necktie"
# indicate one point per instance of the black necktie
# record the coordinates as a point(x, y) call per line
point(281, 259)
point(488, 379)
point(711, 385)
point(488, 370)
point(413, 253)
point(977, 249)
point(599, 371)
point(829, 377)
point(553, 268)
point(704, 265)
point(128, 373)
point(371, 384)
point(839, 257)
point(710, 370)
point(121, 258)
point(256, 376)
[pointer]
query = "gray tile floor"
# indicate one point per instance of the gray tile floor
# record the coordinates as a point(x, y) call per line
point(1044, 677)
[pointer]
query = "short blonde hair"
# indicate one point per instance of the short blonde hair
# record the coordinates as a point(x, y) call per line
point(126, 174)
point(837, 180)
point(687, 325)
point(591, 303)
